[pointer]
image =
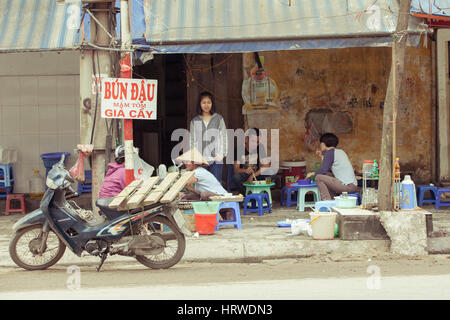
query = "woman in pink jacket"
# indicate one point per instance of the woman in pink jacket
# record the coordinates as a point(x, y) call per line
point(114, 181)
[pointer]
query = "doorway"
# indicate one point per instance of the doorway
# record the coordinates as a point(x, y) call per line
point(153, 137)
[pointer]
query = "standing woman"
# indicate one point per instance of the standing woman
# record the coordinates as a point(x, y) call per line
point(209, 134)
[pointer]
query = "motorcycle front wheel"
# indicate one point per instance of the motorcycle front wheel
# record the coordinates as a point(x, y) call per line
point(174, 244)
point(24, 248)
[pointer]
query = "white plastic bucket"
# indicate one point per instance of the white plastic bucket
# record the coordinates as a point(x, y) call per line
point(322, 225)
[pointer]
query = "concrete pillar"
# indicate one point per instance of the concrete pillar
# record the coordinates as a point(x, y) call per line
point(443, 37)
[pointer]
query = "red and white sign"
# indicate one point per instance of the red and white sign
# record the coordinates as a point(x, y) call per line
point(129, 98)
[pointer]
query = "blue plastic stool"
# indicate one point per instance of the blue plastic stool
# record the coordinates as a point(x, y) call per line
point(289, 201)
point(324, 204)
point(6, 175)
point(438, 198)
point(236, 222)
point(358, 197)
point(85, 187)
point(302, 191)
point(421, 194)
point(4, 191)
point(258, 198)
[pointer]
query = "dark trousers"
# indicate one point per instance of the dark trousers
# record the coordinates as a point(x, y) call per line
point(330, 186)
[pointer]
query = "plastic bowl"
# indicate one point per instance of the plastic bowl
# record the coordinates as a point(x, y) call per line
point(349, 202)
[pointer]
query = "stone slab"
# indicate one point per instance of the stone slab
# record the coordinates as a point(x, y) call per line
point(359, 224)
point(439, 245)
point(407, 231)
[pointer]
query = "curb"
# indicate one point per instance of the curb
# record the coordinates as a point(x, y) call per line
point(242, 251)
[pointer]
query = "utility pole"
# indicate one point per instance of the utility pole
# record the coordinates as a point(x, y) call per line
point(101, 66)
point(126, 72)
point(385, 187)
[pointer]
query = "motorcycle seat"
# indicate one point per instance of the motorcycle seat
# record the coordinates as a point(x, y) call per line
point(103, 205)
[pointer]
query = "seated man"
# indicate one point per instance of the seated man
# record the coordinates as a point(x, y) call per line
point(115, 180)
point(254, 164)
point(204, 182)
point(336, 175)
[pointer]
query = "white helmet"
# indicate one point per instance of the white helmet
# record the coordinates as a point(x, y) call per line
point(119, 153)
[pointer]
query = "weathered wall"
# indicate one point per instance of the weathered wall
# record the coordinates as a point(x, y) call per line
point(350, 85)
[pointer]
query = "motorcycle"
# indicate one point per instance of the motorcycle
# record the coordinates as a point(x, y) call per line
point(154, 235)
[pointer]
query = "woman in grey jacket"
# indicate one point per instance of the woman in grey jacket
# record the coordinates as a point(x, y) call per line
point(209, 134)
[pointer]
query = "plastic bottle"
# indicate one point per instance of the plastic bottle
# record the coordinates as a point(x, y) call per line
point(396, 169)
point(36, 184)
point(408, 199)
point(375, 169)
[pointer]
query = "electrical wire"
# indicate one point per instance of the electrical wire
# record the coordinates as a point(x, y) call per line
point(191, 76)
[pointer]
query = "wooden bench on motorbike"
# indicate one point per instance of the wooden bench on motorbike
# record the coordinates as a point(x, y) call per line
point(143, 193)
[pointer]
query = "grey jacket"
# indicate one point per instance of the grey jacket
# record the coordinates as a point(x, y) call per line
point(210, 140)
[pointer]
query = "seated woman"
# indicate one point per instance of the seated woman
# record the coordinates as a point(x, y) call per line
point(114, 181)
point(203, 184)
point(336, 175)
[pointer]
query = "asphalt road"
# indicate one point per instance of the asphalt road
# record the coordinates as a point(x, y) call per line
point(309, 278)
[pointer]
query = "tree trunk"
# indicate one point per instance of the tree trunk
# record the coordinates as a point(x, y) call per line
point(385, 199)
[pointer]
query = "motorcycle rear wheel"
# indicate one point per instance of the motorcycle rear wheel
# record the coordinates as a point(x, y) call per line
point(25, 243)
point(175, 244)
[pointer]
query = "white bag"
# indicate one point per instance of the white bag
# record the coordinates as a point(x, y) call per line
point(142, 170)
point(300, 226)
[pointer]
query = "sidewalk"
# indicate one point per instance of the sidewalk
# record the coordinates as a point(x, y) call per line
point(260, 239)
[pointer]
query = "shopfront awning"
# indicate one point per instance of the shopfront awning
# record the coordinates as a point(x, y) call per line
point(38, 25)
point(206, 26)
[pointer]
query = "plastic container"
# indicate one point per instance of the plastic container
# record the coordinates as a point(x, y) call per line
point(407, 194)
point(206, 216)
point(375, 172)
point(323, 225)
point(293, 169)
point(37, 186)
point(367, 168)
point(397, 169)
point(50, 159)
point(348, 202)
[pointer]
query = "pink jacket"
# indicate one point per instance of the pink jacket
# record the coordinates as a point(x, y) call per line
point(114, 181)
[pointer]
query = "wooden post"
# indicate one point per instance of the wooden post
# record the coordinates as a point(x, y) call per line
point(385, 192)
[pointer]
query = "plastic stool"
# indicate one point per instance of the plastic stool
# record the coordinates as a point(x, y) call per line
point(236, 222)
point(258, 198)
point(9, 198)
point(439, 203)
point(4, 191)
point(302, 191)
point(84, 187)
point(289, 201)
point(421, 194)
point(358, 197)
point(327, 204)
point(6, 175)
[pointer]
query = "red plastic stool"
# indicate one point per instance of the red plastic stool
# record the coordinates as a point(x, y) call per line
point(9, 198)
